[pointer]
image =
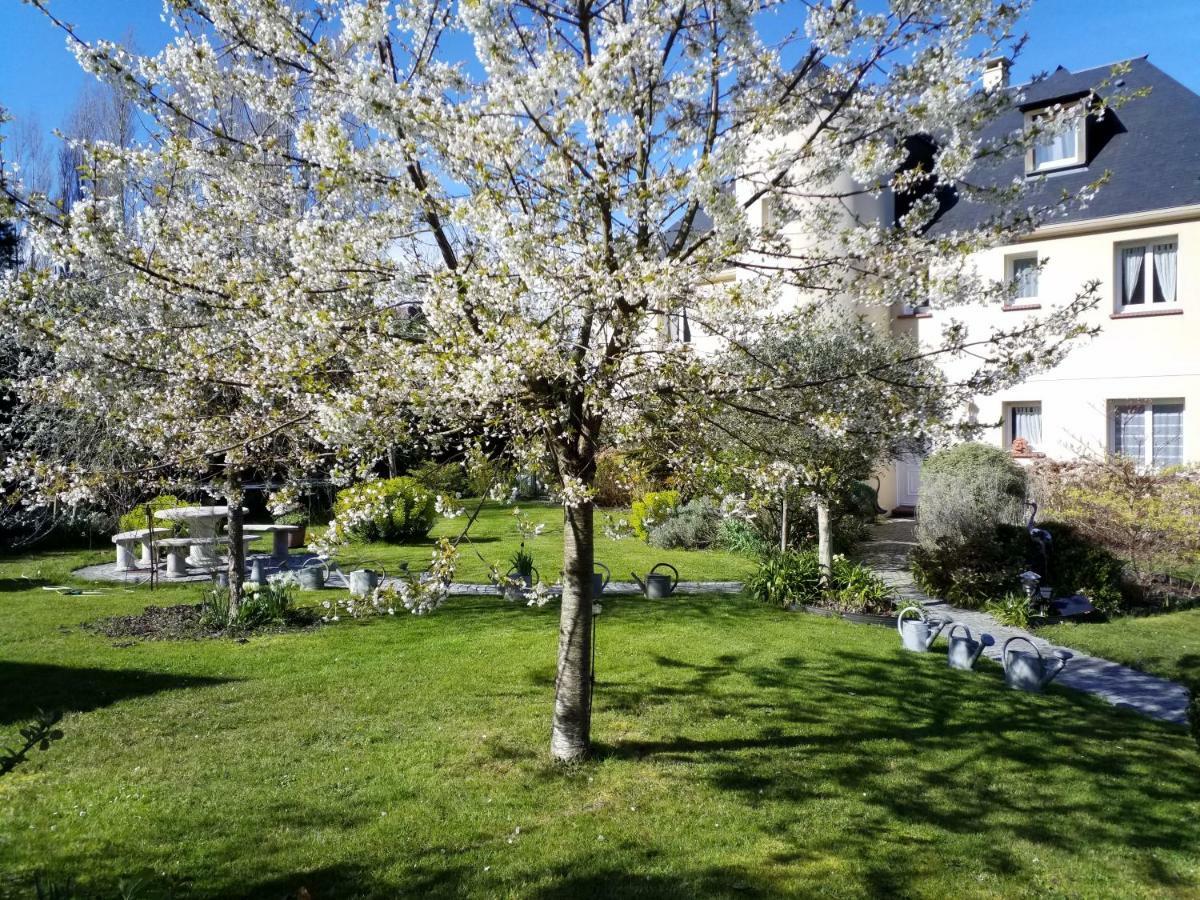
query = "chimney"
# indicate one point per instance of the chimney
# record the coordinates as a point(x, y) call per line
point(995, 74)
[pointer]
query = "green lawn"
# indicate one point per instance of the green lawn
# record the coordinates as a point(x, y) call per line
point(1166, 645)
point(494, 538)
point(743, 752)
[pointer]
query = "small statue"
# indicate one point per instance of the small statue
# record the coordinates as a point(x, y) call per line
point(1020, 446)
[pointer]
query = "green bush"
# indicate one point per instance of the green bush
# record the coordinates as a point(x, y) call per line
point(651, 510)
point(295, 517)
point(966, 491)
point(1079, 566)
point(972, 572)
point(136, 517)
point(739, 536)
point(402, 510)
point(987, 568)
point(788, 577)
point(448, 479)
point(693, 526)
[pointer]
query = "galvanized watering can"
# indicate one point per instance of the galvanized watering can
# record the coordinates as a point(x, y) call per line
point(917, 634)
point(1025, 671)
point(363, 581)
point(514, 592)
point(312, 575)
point(658, 587)
point(964, 649)
point(258, 572)
point(599, 581)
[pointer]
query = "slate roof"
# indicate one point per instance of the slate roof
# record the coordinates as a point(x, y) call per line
point(1151, 146)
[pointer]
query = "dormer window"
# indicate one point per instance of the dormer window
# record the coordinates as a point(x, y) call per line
point(1060, 148)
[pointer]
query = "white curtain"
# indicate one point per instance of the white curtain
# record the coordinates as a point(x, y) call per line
point(1027, 423)
point(1167, 425)
point(1055, 148)
point(1131, 268)
point(1129, 432)
point(1165, 269)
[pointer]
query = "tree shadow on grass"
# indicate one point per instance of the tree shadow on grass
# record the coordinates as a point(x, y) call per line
point(26, 688)
point(10, 585)
point(919, 743)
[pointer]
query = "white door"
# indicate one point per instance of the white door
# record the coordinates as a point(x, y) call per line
point(908, 480)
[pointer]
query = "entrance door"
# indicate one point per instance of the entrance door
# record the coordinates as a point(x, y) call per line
point(908, 480)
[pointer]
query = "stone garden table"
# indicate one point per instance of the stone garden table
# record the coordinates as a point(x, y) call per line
point(202, 523)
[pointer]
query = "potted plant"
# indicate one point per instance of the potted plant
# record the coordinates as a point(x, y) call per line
point(296, 517)
point(520, 577)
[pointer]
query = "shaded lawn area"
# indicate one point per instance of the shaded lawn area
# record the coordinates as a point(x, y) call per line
point(743, 752)
point(1167, 644)
point(494, 538)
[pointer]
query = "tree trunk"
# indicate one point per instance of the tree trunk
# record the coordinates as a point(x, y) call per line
point(237, 550)
point(783, 535)
point(570, 736)
point(824, 540)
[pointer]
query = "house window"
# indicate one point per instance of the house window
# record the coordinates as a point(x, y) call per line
point(1023, 274)
point(1150, 432)
point(1147, 274)
point(1024, 421)
point(1060, 149)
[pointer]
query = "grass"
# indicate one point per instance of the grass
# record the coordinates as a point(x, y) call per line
point(1167, 644)
point(494, 538)
point(742, 752)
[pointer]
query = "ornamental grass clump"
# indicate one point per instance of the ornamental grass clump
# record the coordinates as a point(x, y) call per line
point(793, 578)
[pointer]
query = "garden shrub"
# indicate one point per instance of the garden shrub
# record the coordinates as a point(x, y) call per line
point(692, 526)
point(1079, 566)
point(448, 479)
point(136, 517)
point(792, 576)
point(972, 572)
point(394, 510)
point(295, 517)
point(851, 520)
point(1145, 518)
point(652, 509)
point(966, 491)
point(619, 478)
point(739, 536)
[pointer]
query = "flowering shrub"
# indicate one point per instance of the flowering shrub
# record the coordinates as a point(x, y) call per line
point(393, 510)
point(442, 478)
point(652, 509)
point(618, 479)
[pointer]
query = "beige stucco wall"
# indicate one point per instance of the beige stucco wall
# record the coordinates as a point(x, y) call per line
point(1154, 357)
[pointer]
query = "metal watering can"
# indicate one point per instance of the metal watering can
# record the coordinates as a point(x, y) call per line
point(658, 587)
point(916, 634)
point(964, 650)
point(364, 581)
point(1025, 671)
point(599, 581)
point(312, 575)
point(515, 593)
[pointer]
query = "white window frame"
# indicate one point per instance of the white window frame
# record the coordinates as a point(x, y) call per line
point(1069, 162)
point(1148, 273)
point(1147, 460)
point(1010, 276)
point(1009, 407)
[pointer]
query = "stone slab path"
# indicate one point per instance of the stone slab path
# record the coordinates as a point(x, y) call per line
point(108, 572)
point(1156, 698)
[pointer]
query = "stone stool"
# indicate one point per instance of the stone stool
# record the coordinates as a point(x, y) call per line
point(280, 537)
point(125, 541)
point(177, 550)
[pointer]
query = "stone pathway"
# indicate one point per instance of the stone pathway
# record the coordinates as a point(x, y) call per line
point(1156, 698)
point(108, 572)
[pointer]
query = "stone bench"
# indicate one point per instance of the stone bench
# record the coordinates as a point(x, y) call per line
point(280, 537)
point(126, 540)
point(179, 549)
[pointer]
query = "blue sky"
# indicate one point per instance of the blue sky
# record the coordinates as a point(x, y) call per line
point(38, 74)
